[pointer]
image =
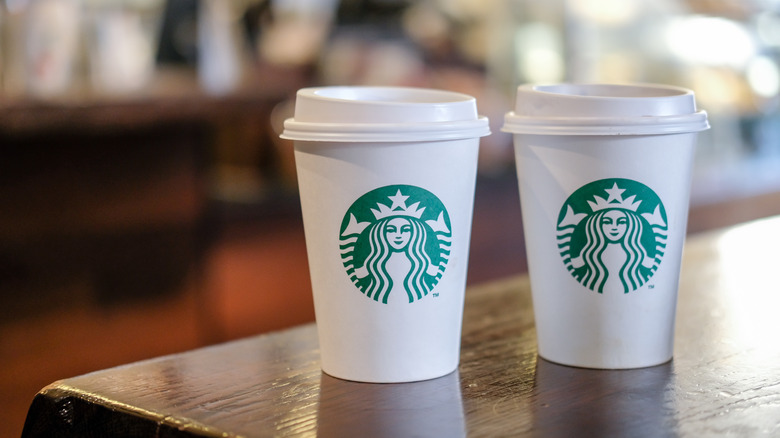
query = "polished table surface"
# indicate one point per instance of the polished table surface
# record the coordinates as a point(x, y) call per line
point(724, 379)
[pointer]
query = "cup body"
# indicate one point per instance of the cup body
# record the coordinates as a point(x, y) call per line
point(388, 223)
point(604, 198)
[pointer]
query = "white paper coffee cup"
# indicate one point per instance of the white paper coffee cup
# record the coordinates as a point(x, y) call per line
point(386, 178)
point(604, 174)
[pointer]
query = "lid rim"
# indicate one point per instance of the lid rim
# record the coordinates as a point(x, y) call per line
point(385, 132)
point(647, 125)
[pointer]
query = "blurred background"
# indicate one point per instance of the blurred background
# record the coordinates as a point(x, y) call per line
point(147, 205)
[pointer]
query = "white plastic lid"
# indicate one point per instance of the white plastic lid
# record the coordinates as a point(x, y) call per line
point(602, 109)
point(383, 114)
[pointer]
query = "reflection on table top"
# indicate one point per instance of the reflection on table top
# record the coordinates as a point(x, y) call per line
point(723, 380)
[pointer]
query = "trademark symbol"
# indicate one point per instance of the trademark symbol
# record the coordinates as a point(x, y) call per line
point(435, 294)
point(651, 286)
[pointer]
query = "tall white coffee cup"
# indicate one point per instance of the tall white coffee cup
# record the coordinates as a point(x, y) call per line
point(386, 178)
point(604, 174)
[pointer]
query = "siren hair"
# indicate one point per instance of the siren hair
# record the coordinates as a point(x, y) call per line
point(376, 263)
point(631, 274)
point(381, 283)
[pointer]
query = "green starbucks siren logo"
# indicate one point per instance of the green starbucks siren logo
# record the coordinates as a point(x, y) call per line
point(612, 234)
point(395, 242)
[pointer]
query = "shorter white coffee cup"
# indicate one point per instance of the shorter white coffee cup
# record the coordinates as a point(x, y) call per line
point(604, 174)
point(386, 178)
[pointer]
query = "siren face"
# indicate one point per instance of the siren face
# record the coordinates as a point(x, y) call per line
point(398, 232)
point(614, 225)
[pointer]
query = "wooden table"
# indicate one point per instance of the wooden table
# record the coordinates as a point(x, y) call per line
point(723, 381)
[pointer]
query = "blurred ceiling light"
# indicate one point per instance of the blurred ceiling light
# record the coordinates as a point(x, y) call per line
point(709, 41)
point(538, 54)
point(768, 27)
point(763, 76)
point(542, 65)
point(607, 12)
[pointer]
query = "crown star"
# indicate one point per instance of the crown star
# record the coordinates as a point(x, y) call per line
point(615, 200)
point(399, 201)
point(398, 208)
point(615, 193)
